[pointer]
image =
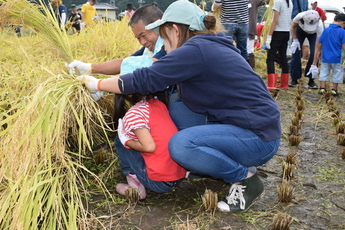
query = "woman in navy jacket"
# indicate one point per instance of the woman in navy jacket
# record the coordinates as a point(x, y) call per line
point(228, 122)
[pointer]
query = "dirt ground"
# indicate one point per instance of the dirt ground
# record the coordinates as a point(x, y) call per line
point(318, 182)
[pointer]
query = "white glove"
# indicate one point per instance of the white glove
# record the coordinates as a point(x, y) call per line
point(122, 136)
point(268, 41)
point(97, 95)
point(91, 84)
point(314, 71)
point(83, 68)
point(295, 44)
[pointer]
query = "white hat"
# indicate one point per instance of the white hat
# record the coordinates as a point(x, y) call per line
point(311, 20)
point(313, 1)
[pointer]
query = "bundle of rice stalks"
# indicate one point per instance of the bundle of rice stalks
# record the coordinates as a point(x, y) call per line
point(282, 221)
point(300, 106)
point(336, 120)
point(341, 139)
point(296, 122)
point(291, 158)
point(294, 140)
point(298, 114)
point(285, 192)
point(38, 18)
point(132, 195)
point(340, 128)
point(294, 129)
point(210, 200)
point(288, 170)
point(42, 179)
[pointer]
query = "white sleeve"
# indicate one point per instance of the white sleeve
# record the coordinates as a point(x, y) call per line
point(63, 18)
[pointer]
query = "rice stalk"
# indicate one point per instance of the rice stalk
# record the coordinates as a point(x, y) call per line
point(39, 19)
point(268, 17)
point(41, 178)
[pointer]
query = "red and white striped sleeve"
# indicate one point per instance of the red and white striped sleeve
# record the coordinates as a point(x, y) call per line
point(137, 117)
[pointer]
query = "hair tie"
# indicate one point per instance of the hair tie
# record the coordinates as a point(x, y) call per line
point(202, 17)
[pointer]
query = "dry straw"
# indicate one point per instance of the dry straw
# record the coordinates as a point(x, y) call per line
point(48, 121)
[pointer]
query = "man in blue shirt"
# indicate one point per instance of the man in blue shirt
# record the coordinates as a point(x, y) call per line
point(149, 39)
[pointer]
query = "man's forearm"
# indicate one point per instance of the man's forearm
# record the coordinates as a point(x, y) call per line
point(112, 67)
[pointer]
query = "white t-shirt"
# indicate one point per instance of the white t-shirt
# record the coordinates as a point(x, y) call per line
point(318, 29)
point(284, 20)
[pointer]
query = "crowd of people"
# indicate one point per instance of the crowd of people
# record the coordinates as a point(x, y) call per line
point(197, 105)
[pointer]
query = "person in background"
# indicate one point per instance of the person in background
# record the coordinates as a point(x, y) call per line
point(253, 19)
point(154, 4)
point(60, 12)
point(129, 11)
point(152, 44)
point(308, 25)
point(235, 19)
point(305, 46)
point(228, 123)
point(298, 7)
point(277, 41)
point(88, 12)
point(74, 18)
point(330, 48)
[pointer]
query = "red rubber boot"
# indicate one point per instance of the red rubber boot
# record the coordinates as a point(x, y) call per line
point(284, 81)
point(272, 81)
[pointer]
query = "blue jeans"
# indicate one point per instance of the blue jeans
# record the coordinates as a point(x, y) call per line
point(183, 117)
point(132, 162)
point(295, 64)
point(218, 150)
point(239, 33)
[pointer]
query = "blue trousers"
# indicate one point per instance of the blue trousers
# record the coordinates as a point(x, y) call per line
point(132, 162)
point(239, 33)
point(295, 64)
point(218, 150)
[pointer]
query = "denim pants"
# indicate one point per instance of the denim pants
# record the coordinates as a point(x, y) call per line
point(218, 150)
point(239, 33)
point(295, 64)
point(132, 162)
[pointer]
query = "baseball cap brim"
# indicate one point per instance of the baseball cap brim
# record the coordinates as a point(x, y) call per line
point(310, 28)
point(155, 25)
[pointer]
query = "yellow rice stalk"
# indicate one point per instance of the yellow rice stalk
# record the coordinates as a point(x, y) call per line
point(268, 17)
point(39, 19)
point(40, 181)
point(48, 120)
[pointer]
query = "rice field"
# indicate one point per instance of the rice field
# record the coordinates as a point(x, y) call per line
point(48, 121)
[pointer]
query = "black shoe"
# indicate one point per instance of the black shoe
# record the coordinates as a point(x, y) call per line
point(242, 196)
point(312, 84)
point(334, 92)
point(293, 83)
